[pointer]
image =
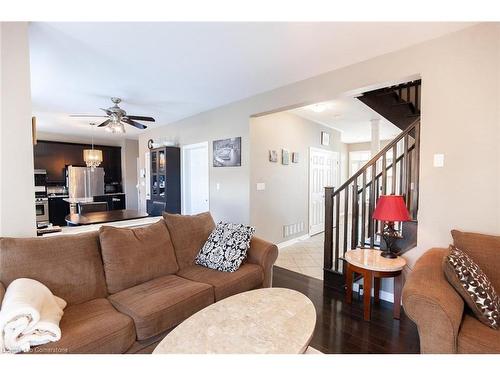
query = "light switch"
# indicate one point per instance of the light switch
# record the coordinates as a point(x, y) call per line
point(261, 186)
point(438, 160)
point(217, 186)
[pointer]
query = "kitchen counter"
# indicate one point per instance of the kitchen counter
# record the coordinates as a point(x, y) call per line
point(87, 200)
point(104, 217)
point(95, 227)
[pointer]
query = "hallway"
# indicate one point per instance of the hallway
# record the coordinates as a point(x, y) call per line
point(305, 257)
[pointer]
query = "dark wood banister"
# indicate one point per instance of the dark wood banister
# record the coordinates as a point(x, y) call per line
point(398, 159)
point(374, 160)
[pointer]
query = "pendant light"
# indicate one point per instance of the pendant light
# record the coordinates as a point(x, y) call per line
point(92, 157)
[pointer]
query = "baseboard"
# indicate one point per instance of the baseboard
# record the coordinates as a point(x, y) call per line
point(386, 296)
point(281, 245)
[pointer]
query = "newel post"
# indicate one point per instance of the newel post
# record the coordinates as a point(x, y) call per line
point(328, 244)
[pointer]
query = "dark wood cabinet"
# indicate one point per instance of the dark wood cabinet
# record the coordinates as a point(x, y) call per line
point(58, 209)
point(166, 179)
point(115, 201)
point(55, 156)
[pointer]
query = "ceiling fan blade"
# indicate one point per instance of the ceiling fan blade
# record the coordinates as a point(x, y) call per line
point(141, 118)
point(104, 123)
point(87, 116)
point(105, 110)
point(133, 123)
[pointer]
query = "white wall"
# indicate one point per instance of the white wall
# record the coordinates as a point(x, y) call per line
point(17, 191)
point(231, 201)
point(460, 117)
point(130, 153)
point(286, 197)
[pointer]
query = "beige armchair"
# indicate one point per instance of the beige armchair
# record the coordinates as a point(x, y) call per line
point(444, 324)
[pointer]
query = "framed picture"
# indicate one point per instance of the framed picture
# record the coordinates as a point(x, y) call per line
point(227, 152)
point(325, 138)
point(273, 156)
point(285, 157)
point(295, 157)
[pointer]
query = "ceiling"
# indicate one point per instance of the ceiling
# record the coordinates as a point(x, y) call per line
point(174, 70)
point(349, 116)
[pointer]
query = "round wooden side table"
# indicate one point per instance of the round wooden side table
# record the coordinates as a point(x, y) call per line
point(372, 267)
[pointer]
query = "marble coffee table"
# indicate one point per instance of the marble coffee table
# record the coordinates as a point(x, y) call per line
point(261, 321)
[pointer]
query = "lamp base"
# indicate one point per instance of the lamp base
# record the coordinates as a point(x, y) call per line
point(388, 254)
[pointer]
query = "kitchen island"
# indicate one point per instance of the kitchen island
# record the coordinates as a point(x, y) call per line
point(104, 217)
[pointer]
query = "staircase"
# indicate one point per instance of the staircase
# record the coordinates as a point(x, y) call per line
point(394, 170)
point(400, 104)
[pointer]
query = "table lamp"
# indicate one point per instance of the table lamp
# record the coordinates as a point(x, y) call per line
point(390, 208)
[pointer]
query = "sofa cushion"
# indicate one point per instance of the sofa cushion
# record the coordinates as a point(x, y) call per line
point(162, 303)
point(132, 256)
point(92, 327)
point(484, 249)
point(249, 276)
point(226, 247)
point(69, 265)
point(189, 233)
point(475, 337)
point(473, 285)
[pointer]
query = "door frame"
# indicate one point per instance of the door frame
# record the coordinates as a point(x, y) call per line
point(309, 208)
point(184, 149)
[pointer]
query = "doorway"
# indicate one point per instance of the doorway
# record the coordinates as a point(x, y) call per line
point(195, 182)
point(324, 170)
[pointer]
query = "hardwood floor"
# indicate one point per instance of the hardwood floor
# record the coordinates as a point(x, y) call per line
point(340, 327)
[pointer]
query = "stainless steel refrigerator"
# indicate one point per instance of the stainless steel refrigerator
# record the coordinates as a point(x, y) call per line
point(84, 182)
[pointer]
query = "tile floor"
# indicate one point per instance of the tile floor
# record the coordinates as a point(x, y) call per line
point(305, 257)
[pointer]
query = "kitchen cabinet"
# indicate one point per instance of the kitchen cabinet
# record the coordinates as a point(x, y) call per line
point(115, 201)
point(55, 156)
point(58, 209)
point(166, 178)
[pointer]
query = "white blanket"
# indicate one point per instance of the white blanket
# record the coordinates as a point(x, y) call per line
point(30, 316)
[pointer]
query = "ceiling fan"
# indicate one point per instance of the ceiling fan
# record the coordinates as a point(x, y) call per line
point(117, 117)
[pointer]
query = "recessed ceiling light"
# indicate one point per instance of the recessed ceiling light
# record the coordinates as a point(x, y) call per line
point(320, 107)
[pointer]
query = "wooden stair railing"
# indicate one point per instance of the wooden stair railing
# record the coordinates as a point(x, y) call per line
point(349, 208)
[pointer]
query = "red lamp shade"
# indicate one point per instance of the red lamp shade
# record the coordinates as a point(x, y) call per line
point(391, 208)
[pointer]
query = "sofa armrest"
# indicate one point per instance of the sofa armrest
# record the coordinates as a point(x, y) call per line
point(432, 303)
point(2, 293)
point(264, 254)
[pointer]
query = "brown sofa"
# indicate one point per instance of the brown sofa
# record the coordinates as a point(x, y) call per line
point(127, 288)
point(445, 324)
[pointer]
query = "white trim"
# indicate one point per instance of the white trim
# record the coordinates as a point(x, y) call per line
point(293, 241)
point(386, 296)
point(183, 175)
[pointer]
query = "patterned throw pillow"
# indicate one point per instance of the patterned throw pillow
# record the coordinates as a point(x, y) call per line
point(226, 247)
point(473, 285)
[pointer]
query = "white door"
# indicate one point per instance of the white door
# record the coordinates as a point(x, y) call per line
point(195, 187)
point(324, 170)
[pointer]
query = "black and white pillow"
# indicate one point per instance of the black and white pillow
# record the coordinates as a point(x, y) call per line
point(226, 247)
point(474, 286)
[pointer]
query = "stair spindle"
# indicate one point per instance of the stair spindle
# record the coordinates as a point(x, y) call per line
point(337, 230)
point(384, 174)
point(346, 217)
point(404, 165)
point(371, 222)
point(394, 158)
point(363, 210)
point(354, 217)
